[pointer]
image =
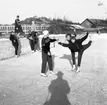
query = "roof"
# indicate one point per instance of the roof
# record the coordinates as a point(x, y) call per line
point(93, 29)
point(75, 26)
point(97, 22)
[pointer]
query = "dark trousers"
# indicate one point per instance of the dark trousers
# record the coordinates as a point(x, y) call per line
point(46, 59)
point(17, 46)
point(38, 45)
point(33, 45)
point(80, 53)
point(73, 57)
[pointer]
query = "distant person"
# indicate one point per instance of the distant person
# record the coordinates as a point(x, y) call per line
point(75, 45)
point(74, 32)
point(33, 26)
point(15, 43)
point(98, 32)
point(18, 31)
point(29, 37)
point(46, 54)
point(33, 40)
point(33, 29)
point(18, 27)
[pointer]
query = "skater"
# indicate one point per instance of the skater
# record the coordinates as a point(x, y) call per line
point(46, 54)
point(15, 43)
point(29, 37)
point(33, 40)
point(33, 26)
point(18, 27)
point(36, 43)
point(75, 45)
point(18, 31)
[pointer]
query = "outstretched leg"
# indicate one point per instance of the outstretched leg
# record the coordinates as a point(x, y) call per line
point(80, 53)
point(86, 45)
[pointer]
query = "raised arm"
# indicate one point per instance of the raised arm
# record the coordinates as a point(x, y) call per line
point(85, 37)
point(53, 40)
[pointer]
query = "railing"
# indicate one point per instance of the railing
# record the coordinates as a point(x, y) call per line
point(26, 28)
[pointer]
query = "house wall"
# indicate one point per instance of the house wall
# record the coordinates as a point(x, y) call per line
point(87, 24)
point(26, 28)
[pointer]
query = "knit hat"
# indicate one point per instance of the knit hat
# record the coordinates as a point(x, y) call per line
point(45, 32)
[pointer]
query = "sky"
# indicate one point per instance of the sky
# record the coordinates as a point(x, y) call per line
point(74, 10)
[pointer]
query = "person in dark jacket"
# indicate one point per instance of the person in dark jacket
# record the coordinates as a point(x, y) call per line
point(15, 42)
point(18, 27)
point(75, 45)
point(29, 37)
point(18, 31)
point(46, 54)
point(33, 40)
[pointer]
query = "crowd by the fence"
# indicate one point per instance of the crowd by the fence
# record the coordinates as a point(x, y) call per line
point(7, 50)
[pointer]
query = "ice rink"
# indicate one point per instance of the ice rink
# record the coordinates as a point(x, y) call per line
point(21, 83)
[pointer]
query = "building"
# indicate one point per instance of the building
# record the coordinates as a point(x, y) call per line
point(94, 23)
point(9, 28)
point(78, 28)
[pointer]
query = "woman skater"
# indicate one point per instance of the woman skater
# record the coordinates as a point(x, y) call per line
point(75, 45)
